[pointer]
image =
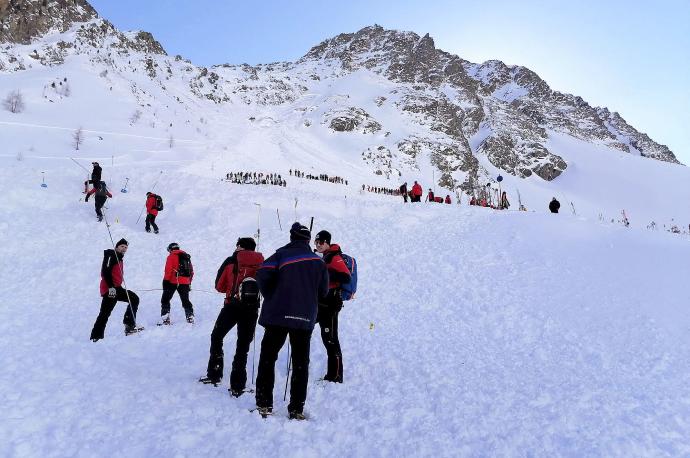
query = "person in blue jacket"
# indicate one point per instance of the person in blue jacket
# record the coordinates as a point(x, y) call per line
point(292, 281)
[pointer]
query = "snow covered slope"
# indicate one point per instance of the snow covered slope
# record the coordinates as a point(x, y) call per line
point(474, 332)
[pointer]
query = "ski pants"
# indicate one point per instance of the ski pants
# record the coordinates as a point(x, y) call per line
point(233, 313)
point(168, 293)
point(327, 318)
point(107, 306)
point(99, 202)
point(273, 341)
point(151, 221)
point(404, 197)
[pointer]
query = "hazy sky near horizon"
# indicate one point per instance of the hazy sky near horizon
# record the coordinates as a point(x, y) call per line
point(630, 56)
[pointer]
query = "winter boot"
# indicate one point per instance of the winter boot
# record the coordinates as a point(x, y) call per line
point(190, 319)
point(132, 329)
point(209, 381)
point(165, 319)
point(296, 416)
point(265, 412)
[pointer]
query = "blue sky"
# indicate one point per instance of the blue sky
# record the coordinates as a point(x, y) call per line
point(630, 56)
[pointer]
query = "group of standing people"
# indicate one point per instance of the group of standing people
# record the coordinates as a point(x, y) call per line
point(321, 177)
point(300, 287)
point(273, 179)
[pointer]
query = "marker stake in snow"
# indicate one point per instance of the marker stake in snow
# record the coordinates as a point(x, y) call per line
point(124, 189)
point(44, 185)
point(258, 225)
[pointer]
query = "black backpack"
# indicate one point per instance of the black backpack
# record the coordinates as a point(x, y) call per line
point(184, 268)
point(102, 189)
point(159, 203)
point(247, 292)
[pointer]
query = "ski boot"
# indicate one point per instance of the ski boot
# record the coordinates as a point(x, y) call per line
point(209, 381)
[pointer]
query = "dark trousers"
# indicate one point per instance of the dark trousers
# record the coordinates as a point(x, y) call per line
point(327, 318)
point(405, 197)
point(99, 202)
point(168, 292)
point(274, 338)
point(107, 306)
point(245, 318)
point(151, 221)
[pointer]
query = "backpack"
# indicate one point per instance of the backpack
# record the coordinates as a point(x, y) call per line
point(248, 292)
point(159, 203)
point(349, 289)
point(184, 268)
point(102, 189)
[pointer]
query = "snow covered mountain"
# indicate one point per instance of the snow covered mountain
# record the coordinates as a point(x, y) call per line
point(469, 120)
point(474, 332)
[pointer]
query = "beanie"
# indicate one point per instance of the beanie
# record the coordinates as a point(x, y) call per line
point(299, 232)
point(173, 246)
point(247, 243)
point(323, 236)
point(122, 242)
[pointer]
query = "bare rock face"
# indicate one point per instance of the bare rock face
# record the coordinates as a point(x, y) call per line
point(351, 119)
point(24, 20)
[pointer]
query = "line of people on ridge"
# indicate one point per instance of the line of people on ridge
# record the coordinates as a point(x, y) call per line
point(273, 179)
point(322, 177)
point(381, 190)
point(153, 204)
point(245, 277)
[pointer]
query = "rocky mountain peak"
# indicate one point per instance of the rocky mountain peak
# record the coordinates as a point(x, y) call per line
point(21, 21)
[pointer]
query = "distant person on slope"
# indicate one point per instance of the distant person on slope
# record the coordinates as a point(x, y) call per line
point(95, 176)
point(102, 194)
point(330, 306)
point(554, 205)
point(403, 191)
point(177, 276)
point(430, 196)
point(291, 280)
point(236, 278)
point(112, 277)
point(504, 202)
point(447, 200)
point(416, 192)
point(151, 212)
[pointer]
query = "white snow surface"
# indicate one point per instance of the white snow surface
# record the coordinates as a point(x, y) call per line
point(474, 332)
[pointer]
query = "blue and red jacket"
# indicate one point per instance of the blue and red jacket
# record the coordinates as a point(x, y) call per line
point(291, 281)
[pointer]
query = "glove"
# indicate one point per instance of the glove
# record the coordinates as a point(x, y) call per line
point(111, 292)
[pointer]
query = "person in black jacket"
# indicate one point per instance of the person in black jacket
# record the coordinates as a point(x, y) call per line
point(554, 205)
point(403, 191)
point(291, 281)
point(330, 306)
point(95, 176)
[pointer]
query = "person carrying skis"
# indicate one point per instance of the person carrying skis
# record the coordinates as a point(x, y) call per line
point(554, 205)
point(102, 194)
point(330, 306)
point(112, 278)
point(177, 276)
point(403, 191)
point(430, 196)
point(95, 176)
point(235, 278)
point(151, 212)
point(416, 192)
point(291, 281)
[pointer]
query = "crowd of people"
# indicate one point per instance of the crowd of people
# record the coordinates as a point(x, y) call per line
point(273, 179)
point(321, 177)
point(381, 190)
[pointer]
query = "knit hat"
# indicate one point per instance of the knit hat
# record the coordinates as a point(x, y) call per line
point(122, 242)
point(299, 232)
point(323, 236)
point(173, 246)
point(247, 243)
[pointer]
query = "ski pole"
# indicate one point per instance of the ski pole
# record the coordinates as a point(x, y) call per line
point(279, 225)
point(258, 225)
point(129, 302)
point(73, 160)
point(152, 188)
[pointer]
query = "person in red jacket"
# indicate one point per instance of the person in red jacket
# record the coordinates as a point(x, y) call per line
point(112, 275)
point(330, 306)
point(235, 278)
point(178, 275)
point(416, 192)
point(101, 191)
point(151, 212)
point(430, 196)
point(447, 198)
